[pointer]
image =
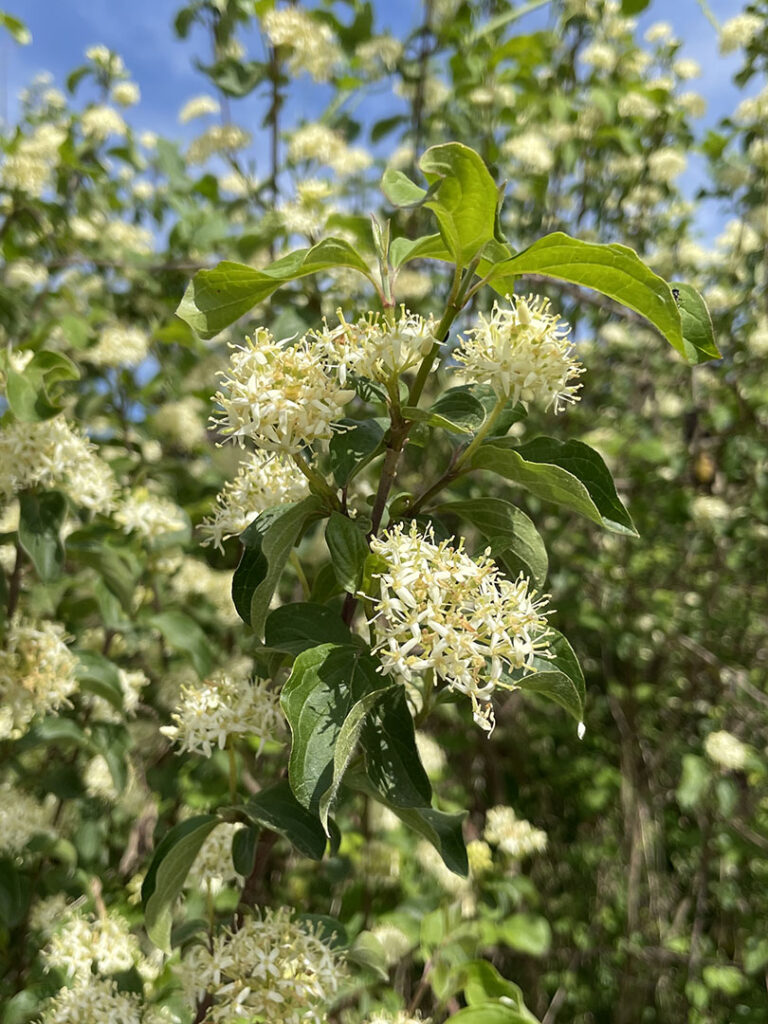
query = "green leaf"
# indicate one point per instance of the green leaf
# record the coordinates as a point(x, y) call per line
point(167, 872)
point(278, 809)
point(457, 410)
point(512, 537)
point(551, 483)
point(698, 334)
point(324, 685)
point(185, 636)
point(481, 983)
point(268, 542)
point(216, 298)
point(32, 394)
point(614, 270)
point(244, 843)
point(559, 678)
point(349, 550)
point(392, 759)
point(401, 191)
point(97, 674)
point(465, 198)
point(351, 447)
point(587, 466)
point(41, 516)
point(527, 933)
point(14, 895)
point(403, 250)
point(632, 7)
point(694, 781)
point(16, 27)
point(490, 1013)
point(294, 628)
point(367, 951)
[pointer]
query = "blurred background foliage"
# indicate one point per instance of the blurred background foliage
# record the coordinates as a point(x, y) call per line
point(647, 899)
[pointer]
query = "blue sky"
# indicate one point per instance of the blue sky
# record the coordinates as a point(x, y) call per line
point(141, 31)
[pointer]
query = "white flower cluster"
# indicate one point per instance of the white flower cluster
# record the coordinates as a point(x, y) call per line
point(379, 53)
point(263, 480)
point(119, 345)
point(377, 348)
point(666, 164)
point(30, 166)
point(272, 969)
point(315, 141)
point(149, 515)
point(94, 1002)
point(105, 59)
point(84, 942)
point(441, 611)
point(637, 104)
point(182, 423)
point(523, 352)
point(515, 836)
point(313, 44)
point(224, 706)
point(119, 236)
point(198, 106)
point(25, 274)
point(37, 674)
point(532, 150)
point(739, 32)
point(126, 94)
point(281, 396)
point(196, 578)
point(21, 818)
point(219, 138)
point(401, 1017)
point(726, 750)
point(101, 121)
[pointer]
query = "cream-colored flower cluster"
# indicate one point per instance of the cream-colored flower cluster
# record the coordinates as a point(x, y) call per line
point(532, 150)
point(443, 612)
point(324, 145)
point(25, 274)
point(182, 423)
point(126, 94)
point(222, 707)
point(739, 32)
point(522, 350)
point(377, 348)
point(219, 138)
point(29, 168)
point(213, 867)
point(272, 969)
point(119, 345)
point(196, 578)
point(21, 818)
point(280, 396)
point(401, 1017)
point(514, 836)
point(313, 46)
point(726, 750)
point(101, 121)
point(37, 674)
point(666, 164)
point(263, 480)
point(149, 515)
point(84, 942)
point(198, 106)
point(95, 1002)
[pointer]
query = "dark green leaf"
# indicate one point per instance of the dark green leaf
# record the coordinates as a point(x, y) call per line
point(167, 872)
point(294, 628)
point(558, 678)
point(512, 537)
point(350, 447)
point(458, 410)
point(14, 895)
point(185, 636)
point(587, 466)
point(244, 843)
point(349, 550)
point(97, 674)
point(278, 809)
point(490, 1013)
point(391, 757)
point(41, 516)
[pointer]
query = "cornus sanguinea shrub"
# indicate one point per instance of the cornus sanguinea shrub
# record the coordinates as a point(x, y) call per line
point(293, 726)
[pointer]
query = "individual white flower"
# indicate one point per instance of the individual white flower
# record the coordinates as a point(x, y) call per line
point(726, 750)
point(99, 122)
point(95, 1001)
point(198, 106)
point(21, 818)
point(263, 481)
point(440, 611)
point(119, 345)
point(37, 674)
point(213, 867)
point(523, 352)
point(377, 348)
point(222, 707)
point(149, 515)
point(148, 140)
point(219, 138)
point(666, 164)
point(312, 44)
point(280, 396)
point(532, 150)
point(272, 969)
point(737, 33)
point(515, 836)
point(126, 94)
